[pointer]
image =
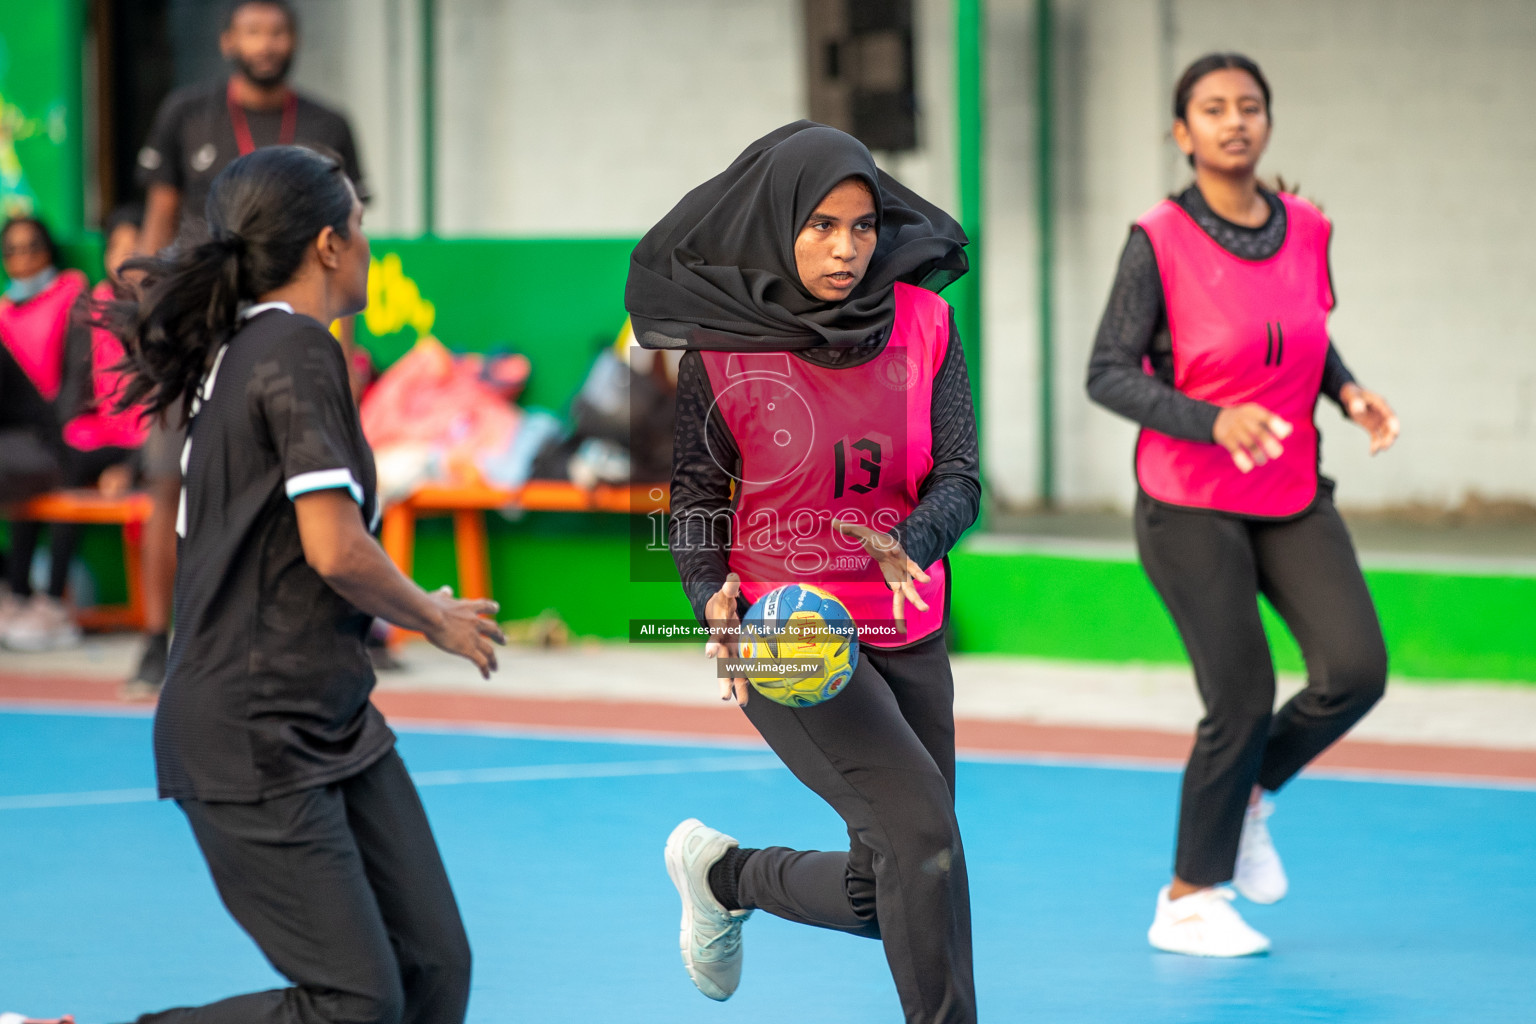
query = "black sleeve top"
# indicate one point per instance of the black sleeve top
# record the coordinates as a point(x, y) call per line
point(949, 497)
point(1135, 326)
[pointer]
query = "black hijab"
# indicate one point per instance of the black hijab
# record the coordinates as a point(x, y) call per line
point(718, 271)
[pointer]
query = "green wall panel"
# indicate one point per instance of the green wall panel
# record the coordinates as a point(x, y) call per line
point(40, 115)
point(577, 564)
point(557, 300)
point(1437, 625)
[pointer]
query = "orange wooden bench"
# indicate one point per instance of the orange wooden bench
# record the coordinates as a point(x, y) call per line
point(468, 503)
point(87, 506)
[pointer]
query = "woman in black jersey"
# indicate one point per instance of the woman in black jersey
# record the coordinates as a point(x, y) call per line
point(265, 735)
point(825, 389)
point(1222, 294)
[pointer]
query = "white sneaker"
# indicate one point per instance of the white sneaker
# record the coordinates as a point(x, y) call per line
point(711, 935)
point(1260, 876)
point(43, 625)
point(1203, 924)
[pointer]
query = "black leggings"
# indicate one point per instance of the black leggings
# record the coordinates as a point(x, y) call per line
point(31, 456)
point(882, 753)
point(343, 889)
point(1210, 569)
point(81, 469)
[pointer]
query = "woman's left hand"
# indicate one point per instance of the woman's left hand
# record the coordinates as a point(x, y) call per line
point(1372, 412)
point(899, 570)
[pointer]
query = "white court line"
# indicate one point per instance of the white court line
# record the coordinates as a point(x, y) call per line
point(449, 777)
point(596, 770)
point(556, 733)
point(1384, 776)
point(1112, 762)
point(577, 734)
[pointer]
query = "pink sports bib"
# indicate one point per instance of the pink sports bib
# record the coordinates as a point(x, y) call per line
point(100, 426)
point(34, 331)
point(1242, 331)
point(820, 443)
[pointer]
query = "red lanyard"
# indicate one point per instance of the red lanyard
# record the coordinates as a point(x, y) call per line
point(237, 121)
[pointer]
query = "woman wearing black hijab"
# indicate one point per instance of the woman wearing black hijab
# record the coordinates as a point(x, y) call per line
point(825, 435)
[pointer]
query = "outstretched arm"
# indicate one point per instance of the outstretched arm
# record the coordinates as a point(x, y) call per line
point(338, 546)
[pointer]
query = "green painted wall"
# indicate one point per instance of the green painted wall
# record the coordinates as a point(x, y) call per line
point(965, 295)
point(577, 564)
point(41, 145)
point(1437, 625)
point(557, 300)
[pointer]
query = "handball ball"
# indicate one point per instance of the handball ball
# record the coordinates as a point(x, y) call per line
point(801, 621)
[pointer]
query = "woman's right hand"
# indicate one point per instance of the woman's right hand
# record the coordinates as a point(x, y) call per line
point(724, 625)
point(465, 629)
point(1251, 433)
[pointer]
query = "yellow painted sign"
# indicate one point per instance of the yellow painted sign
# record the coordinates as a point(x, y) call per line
point(394, 300)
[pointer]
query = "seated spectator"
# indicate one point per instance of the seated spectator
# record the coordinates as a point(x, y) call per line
point(35, 314)
point(101, 441)
point(57, 387)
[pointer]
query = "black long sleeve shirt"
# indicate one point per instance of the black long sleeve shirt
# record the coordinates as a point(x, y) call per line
point(1135, 325)
point(949, 497)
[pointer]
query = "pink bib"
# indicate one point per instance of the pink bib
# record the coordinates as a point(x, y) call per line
point(820, 443)
point(1242, 331)
point(100, 426)
point(34, 331)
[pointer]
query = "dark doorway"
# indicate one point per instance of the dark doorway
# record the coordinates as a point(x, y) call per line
point(145, 48)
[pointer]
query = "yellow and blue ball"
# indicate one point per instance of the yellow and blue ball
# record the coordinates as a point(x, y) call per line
point(801, 621)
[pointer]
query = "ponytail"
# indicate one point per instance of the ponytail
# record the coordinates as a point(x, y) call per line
point(185, 311)
point(264, 210)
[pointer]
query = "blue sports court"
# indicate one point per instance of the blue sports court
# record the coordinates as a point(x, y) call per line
point(1410, 902)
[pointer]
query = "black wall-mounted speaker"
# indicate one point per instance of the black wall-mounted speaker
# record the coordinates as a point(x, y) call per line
point(860, 70)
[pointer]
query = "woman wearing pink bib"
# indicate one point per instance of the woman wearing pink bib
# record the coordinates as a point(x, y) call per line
point(1216, 341)
point(825, 436)
point(58, 383)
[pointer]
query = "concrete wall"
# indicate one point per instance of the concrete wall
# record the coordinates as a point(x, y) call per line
point(578, 118)
point(592, 117)
point(363, 56)
point(1409, 121)
point(1405, 120)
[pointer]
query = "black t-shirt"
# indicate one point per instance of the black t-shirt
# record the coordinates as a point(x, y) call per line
point(267, 687)
point(193, 139)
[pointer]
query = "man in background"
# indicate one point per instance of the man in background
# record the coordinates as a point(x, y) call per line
point(198, 131)
point(201, 128)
